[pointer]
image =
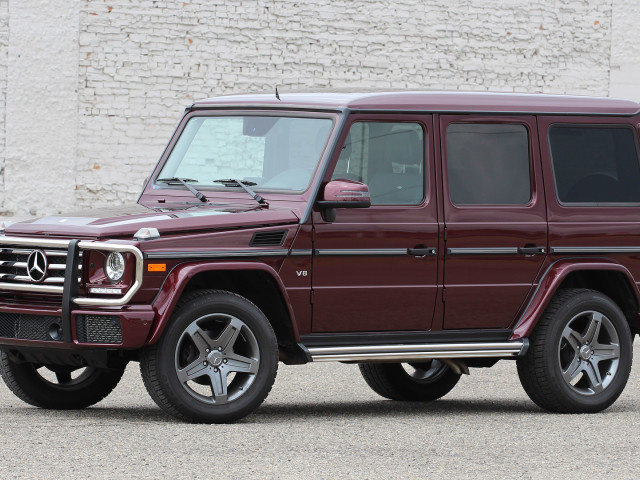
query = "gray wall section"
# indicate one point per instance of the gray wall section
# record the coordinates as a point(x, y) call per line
point(41, 107)
point(91, 91)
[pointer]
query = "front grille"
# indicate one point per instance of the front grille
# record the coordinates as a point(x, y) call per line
point(98, 329)
point(14, 265)
point(30, 327)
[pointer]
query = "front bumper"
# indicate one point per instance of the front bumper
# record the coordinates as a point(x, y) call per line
point(44, 327)
point(65, 319)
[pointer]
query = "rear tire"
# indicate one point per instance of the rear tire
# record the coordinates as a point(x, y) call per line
point(580, 354)
point(424, 381)
point(58, 387)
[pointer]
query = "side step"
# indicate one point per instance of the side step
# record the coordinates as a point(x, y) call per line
point(406, 353)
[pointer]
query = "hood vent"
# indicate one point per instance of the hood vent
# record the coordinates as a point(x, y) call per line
point(274, 238)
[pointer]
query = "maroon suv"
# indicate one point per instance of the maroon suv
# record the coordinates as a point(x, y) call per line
point(416, 234)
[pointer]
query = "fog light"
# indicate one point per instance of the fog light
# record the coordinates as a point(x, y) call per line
point(55, 331)
point(114, 266)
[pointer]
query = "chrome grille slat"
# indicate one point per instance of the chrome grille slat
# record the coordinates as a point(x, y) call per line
point(12, 276)
point(58, 280)
point(9, 263)
point(15, 251)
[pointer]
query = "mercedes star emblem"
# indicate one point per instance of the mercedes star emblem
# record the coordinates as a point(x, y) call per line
point(37, 265)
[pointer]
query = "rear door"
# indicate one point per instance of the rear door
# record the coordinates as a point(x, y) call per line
point(494, 215)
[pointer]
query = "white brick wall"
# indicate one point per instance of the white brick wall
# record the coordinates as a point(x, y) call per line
point(137, 63)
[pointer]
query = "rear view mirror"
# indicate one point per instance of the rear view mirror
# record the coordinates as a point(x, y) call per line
point(343, 194)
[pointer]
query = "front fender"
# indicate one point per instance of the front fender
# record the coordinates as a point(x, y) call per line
point(179, 277)
point(551, 281)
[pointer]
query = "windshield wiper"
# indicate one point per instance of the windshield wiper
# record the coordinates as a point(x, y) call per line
point(232, 182)
point(199, 195)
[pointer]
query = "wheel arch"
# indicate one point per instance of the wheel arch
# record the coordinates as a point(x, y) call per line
point(603, 275)
point(257, 282)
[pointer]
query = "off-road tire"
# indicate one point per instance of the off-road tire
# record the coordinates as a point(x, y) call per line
point(541, 371)
point(393, 381)
point(159, 363)
point(93, 385)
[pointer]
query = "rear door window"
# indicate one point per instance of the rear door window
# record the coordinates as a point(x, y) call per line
point(488, 164)
point(595, 164)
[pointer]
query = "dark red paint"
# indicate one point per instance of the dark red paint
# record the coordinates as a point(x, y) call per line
point(368, 293)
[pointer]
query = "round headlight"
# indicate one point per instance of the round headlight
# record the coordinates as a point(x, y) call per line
point(114, 266)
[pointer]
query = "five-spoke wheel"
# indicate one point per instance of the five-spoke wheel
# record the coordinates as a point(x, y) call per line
point(580, 355)
point(589, 352)
point(221, 353)
point(216, 360)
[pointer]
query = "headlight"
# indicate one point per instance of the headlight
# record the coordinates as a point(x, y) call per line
point(114, 266)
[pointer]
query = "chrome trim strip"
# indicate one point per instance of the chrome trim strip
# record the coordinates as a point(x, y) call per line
point(483, 251)
point(301, 252)
point(579, 250)
point(281, 252)
point(25, 278)
point(113, 247)
point(361, 251)
point(415, 352)
point(26, 287)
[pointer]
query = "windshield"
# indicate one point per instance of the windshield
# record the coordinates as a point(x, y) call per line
point(279, 153)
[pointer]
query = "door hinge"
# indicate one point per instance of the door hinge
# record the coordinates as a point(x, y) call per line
point(311, 297)
point(444, 290)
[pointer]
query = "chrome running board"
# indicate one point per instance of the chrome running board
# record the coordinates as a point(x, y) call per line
point(407, 353)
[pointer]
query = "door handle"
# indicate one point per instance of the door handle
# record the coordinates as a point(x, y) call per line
point(532, 250)
point(422, 251)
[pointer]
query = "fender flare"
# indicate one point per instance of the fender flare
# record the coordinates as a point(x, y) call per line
point(551, 281)
point(176, 281)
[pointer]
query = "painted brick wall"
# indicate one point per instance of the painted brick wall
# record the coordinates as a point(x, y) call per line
point(4, 46)
point(139, 63)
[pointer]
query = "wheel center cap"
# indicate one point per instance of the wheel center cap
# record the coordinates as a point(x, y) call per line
point(215, 358)
point(586, 352)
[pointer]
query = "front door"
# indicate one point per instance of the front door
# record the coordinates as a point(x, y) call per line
point(375, 269)
point(495, 218)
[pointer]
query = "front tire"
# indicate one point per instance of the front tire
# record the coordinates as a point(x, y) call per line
point(580, 355)
point(216, 361)
point(58, 387)
point(424, 381)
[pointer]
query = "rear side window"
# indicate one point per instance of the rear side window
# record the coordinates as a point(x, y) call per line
point(595, 164)
point(488, 164)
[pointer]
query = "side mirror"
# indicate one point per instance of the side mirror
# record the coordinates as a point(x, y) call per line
point(343, 194)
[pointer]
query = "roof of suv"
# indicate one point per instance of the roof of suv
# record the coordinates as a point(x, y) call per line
point(431, 101)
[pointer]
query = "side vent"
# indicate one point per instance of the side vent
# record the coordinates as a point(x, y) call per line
point(274, 238)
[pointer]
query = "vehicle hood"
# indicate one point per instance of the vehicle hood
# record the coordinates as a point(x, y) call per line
point(126, 221)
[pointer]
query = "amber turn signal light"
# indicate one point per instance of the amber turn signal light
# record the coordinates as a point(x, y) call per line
point(157, 267)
